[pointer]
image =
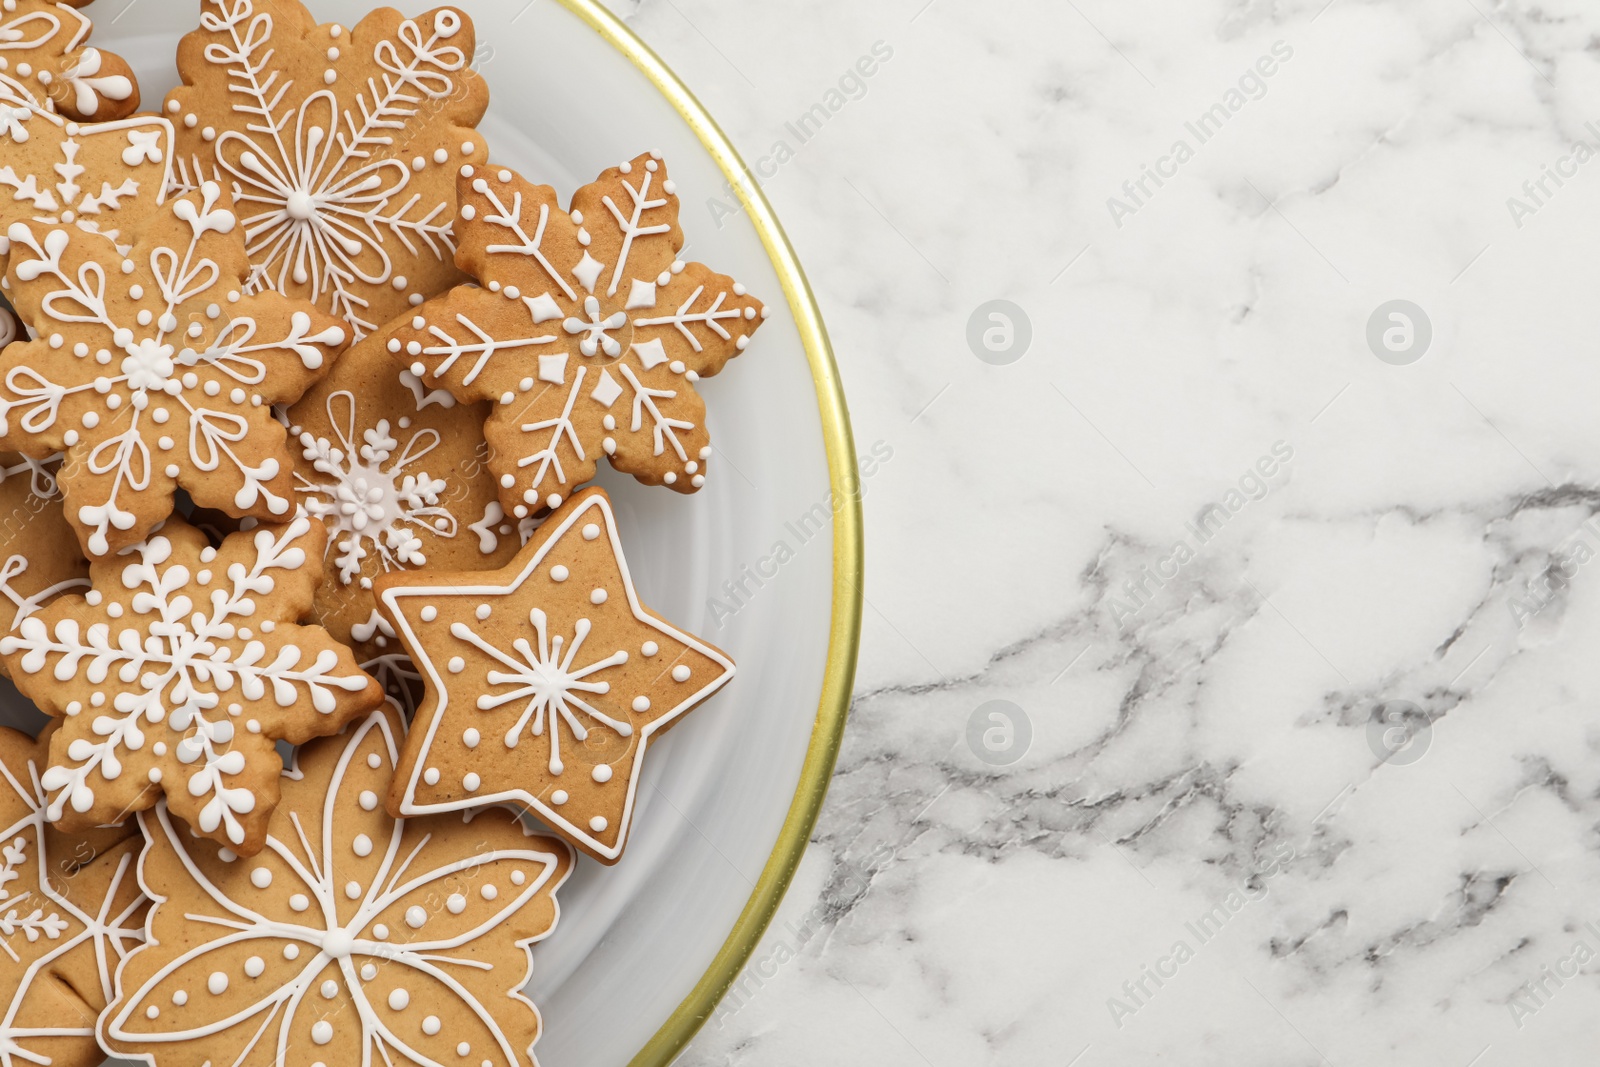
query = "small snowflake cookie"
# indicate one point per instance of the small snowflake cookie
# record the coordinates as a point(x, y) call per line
point(587, 333)
point(341, 146)
point(545, 681)
point(70, 911)
point(157, 370)
point(398, 473)
point(176, 673)
point(39, 557)
point(43, 58)
point(352, 938)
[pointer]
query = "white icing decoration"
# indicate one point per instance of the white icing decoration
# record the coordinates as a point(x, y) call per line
point(605, 393)
point(553, 369)
point(641, 295)
point(652, 353)
point(426, 397)
point(380, 494)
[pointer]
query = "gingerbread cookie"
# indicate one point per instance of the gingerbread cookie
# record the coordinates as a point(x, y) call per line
point(70, 911)
point(105, 177)
point(39, 557)
point(587, 335)
point(352, 938)
point(398, 473)
point(156, 370)
point(545, 681)
point(177, 672)
point(44, 58)
point(341, 146)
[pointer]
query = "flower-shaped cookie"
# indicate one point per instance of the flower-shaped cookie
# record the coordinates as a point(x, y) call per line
point(546, 681)
point(43, 55)
point(399, 475)
point(341, 146)
point(39, 557)
point(588, 332)
point(353, 938)
point(179, 670)
point(156, 370)
point(70, 911)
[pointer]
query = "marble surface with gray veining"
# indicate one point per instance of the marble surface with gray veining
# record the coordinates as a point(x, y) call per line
point(1289, 594)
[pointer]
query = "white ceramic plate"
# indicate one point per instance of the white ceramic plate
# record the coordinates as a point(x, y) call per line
point(634, 940)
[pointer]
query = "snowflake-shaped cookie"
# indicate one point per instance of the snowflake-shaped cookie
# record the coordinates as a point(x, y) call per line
point(341, 146)
point(43, 55)
point(546, 681)
point(179, 670)
point(156, 370)
point(352, 938)
point(70, 911)
point(399, 475)
point(39, 557)
point(587, 333)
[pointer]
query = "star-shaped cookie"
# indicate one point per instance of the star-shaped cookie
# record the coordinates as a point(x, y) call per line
point(545, 681)
point(586, 331)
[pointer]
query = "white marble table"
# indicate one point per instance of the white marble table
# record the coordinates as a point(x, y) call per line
point(1304, 636)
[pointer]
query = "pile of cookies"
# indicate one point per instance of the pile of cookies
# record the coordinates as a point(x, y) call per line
point(298, 404)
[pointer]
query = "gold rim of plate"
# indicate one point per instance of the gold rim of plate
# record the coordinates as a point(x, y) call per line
point(848, 553)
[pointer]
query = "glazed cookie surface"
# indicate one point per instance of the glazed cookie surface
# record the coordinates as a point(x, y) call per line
point(156, 370)
point(176, 674)
point(353, 938)
point(70, 911)
point(341, 146)
point(545, 681)
point(586, 332)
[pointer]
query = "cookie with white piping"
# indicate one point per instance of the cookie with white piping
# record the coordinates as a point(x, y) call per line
point(399, 476)
point(341, 146)
point(39, 555)
point(585, 331)
point(46, 56)
point(70, 911)
point(352, 938)
point(177, 672)
point(156, 370)
point(545, 681)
